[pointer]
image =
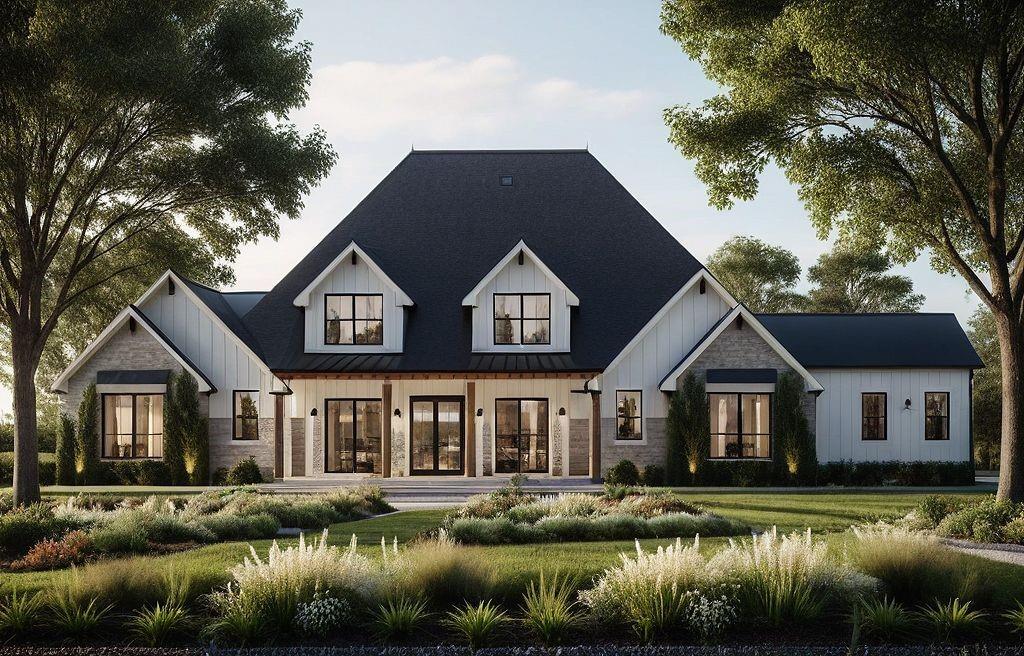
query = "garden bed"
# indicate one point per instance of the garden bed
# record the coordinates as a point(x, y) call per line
point(512, 516)
point(57, 534)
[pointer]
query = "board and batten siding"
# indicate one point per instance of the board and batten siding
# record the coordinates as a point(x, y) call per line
point(214, 351)
point(661, 349)
point(525, 278)
point(839, 414)
point(358, 278)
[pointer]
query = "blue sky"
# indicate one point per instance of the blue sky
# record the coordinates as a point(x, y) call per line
point(389, 75)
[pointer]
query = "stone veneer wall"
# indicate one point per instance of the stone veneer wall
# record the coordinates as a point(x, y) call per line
point(399, 452)
point(225, 452)
point(298, 438)
point(579, 447)
point(734, 349)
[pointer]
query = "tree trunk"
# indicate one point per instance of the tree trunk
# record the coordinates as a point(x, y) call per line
point(26, 439)
point(1011, 459)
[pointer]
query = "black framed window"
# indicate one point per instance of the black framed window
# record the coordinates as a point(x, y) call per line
point(873, 407)
point(133, 426)
point(522, 318)
point(741, 425)
point(936, 415)
point(246, 415)
point(354, 319)
point(521, 436)
point(629, 415)
point(353, 444)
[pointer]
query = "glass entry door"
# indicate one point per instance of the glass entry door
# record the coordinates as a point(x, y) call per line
point(437, 435)
point(353, 444)
point(521, 436)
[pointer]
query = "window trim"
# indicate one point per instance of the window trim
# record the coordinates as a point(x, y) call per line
point(135, 434)
point(354, 318)
point(945, 416)
point(640, 408)
point(520, 319)
point(885, 417)
point(234, 435)
point(739, 425)
point(519, 433)
point(355, 424)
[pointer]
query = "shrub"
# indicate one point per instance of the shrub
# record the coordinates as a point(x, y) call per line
point(24, 526)
point(933, 509)
point(153, 472)
point(359, 501)
point(1013, 531)
point(953, 620)
point(167, 528)
point(707, 615)
point(19, 613)
point(914, 568)
point(885, 618)
point(86, 442)
point(653, 504)
point(619, 527)
point(322, 615)
point(245, 472)
point(46, 468)
point(476, 624)
point(653, 476)
point(623, 473)
point(290, 576)
point(126, 533)
point(549, 610)
point(64, 457)
point(240, 617)
point(796, 450)
point(227, 526)
point(55, 554)
point(982, 521)
point(187, 429)
point(126, 472)
point(444, 572)
point(396, 618)
point(157, 625)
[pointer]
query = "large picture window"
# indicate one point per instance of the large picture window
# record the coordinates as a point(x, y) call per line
point(629, 415)
point(353, 444)
point(521, 436)
point(354, 319)
point(133, 426)
point(741, 425)
point(246, 424)
point(873, 416)
point(936, 415)
point(522, 318)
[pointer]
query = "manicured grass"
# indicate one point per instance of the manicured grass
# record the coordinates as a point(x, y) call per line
point(822, 512)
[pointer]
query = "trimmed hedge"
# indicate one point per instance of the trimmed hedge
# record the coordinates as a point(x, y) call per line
point(47, 468)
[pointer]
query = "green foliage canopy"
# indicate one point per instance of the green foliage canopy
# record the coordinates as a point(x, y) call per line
point(852, 279)
point(759, 275)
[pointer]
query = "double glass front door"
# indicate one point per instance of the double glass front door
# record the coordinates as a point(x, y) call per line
point(521, 436)
point(437, 435)
point(353, 444)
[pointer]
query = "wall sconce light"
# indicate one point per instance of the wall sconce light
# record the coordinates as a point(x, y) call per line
point(398, 412)
point(906, 404)
point(479, 412)
point(561, 412)
point(312, 413)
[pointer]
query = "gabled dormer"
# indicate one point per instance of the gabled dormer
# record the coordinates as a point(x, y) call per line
point(352, 306)
point(521, 306)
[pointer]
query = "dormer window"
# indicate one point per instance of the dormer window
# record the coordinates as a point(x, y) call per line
point(522, 318)
point(354, 319)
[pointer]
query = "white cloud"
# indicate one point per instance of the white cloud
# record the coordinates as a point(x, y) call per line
point(445, 99)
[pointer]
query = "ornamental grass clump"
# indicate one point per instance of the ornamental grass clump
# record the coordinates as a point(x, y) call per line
point(953, 620)
point(288, 577)
point(20, 613)
point(399, 617)
point(477, 624)
point(441, 570)
point(156, 626)
point(885, 618)
point(549, 610)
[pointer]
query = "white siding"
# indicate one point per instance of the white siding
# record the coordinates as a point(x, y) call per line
point(839, 414)
point(661, 349)
point(348, 278)
point(213, 350)
point(525, 278)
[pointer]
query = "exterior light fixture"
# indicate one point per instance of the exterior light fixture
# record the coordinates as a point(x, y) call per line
point(561, 412)
point(479, 412)
point(312, 413)
point(907, 404)
point(398, 412)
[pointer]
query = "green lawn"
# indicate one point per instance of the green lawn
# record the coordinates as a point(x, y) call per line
point(831, 513)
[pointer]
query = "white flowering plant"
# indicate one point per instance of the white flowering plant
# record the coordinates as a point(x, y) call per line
point(321, 615)
point(708, 613)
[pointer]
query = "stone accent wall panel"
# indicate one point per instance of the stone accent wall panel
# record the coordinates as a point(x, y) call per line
point(579, 447)
point(298, 447)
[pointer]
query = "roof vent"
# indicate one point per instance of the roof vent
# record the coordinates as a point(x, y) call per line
point(505, 180)
point(170, 287)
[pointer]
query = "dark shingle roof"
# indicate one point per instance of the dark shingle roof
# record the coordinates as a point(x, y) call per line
point(873, 340)
point(440, 221)
point(224, 304)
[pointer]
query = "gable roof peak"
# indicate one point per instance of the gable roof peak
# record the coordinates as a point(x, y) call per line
point(520, 248)
point(302, 299)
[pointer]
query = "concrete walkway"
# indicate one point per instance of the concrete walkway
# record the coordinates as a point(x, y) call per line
point(1004, 553)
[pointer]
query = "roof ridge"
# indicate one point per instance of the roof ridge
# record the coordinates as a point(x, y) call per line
point(498, 151)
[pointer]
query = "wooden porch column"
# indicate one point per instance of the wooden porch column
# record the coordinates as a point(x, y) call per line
point(595, 437)
point(471, 428)
point(385, 449)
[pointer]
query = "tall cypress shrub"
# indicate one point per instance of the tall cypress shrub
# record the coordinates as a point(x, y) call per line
point(192, 430)
point(796, 453)
point(697, 426)
point(173, 441)
point(64, 456)
point(87, 438)
point(675, 436)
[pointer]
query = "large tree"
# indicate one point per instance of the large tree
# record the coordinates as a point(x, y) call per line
point(899, 123)
point(136, 135)
point(857, 279)
point(759, 275)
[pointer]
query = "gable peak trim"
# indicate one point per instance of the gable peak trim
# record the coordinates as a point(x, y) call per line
point(519, 250)
point(352, 251)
